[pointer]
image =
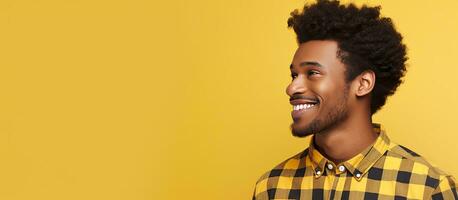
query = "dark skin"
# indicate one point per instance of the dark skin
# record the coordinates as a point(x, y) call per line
point(340, 117)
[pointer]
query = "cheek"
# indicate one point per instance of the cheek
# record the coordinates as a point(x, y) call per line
point(326, 89)
point(328, 86)
point(323, 87)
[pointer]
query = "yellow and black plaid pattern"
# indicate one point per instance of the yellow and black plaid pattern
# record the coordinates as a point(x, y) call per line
point(383, 171)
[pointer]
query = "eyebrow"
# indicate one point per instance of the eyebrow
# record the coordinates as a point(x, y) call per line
point(306, 63)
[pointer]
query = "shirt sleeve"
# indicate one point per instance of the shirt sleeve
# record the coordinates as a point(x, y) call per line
point(260, 190)
point(446, 189)
point(256, 196)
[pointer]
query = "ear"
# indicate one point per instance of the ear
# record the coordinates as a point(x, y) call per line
point(364, 83)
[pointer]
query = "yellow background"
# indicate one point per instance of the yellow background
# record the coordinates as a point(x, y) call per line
point(140, 99)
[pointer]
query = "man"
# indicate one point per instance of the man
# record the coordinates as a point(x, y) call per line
point(348, 61)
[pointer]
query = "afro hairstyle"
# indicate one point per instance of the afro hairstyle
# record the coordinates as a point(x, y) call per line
point(366, 41)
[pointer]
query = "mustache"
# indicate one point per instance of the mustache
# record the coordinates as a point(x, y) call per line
point(300, 96)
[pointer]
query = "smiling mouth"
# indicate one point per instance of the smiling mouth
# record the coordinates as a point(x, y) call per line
point(300, 109)
point(303, 106)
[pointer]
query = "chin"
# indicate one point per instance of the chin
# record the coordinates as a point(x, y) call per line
point(299, 130)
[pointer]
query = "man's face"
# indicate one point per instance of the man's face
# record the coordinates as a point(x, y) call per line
point(318, 91)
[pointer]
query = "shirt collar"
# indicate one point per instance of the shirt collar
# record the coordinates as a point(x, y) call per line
point(359, 164)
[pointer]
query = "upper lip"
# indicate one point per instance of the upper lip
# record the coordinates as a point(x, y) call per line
point(302, 101)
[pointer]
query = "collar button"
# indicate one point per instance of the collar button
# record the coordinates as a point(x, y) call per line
point(341, 168)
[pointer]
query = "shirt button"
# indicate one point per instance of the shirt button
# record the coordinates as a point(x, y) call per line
point(318, 173)
point(341, 168)
point(330, 166)
point(358, 175)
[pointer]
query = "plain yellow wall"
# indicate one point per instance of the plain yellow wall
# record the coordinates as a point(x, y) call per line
point(140, 99)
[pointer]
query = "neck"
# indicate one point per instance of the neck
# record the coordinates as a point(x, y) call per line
point(346, 139)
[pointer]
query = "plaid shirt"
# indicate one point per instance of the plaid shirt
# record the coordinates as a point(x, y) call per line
point(384, 170)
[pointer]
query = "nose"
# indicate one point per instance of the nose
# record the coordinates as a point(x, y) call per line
point(296, 86)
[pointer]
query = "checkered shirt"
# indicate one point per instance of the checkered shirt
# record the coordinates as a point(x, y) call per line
point(385, 170)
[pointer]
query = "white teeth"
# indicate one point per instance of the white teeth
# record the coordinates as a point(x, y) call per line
point(303, 106)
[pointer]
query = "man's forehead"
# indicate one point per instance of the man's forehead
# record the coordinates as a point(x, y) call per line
point(315, 53)
point(316, 48)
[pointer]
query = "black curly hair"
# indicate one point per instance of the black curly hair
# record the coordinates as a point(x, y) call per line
point(366, 41)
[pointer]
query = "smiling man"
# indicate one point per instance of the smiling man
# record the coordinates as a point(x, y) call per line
point(349, 60)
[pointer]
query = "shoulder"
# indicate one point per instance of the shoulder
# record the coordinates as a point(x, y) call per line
point(287, 168)
point(409, 159)
point(292, 163)
point(416, 168)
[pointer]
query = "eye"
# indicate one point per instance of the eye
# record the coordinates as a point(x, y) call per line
point(312, 72)
point(293, 75)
